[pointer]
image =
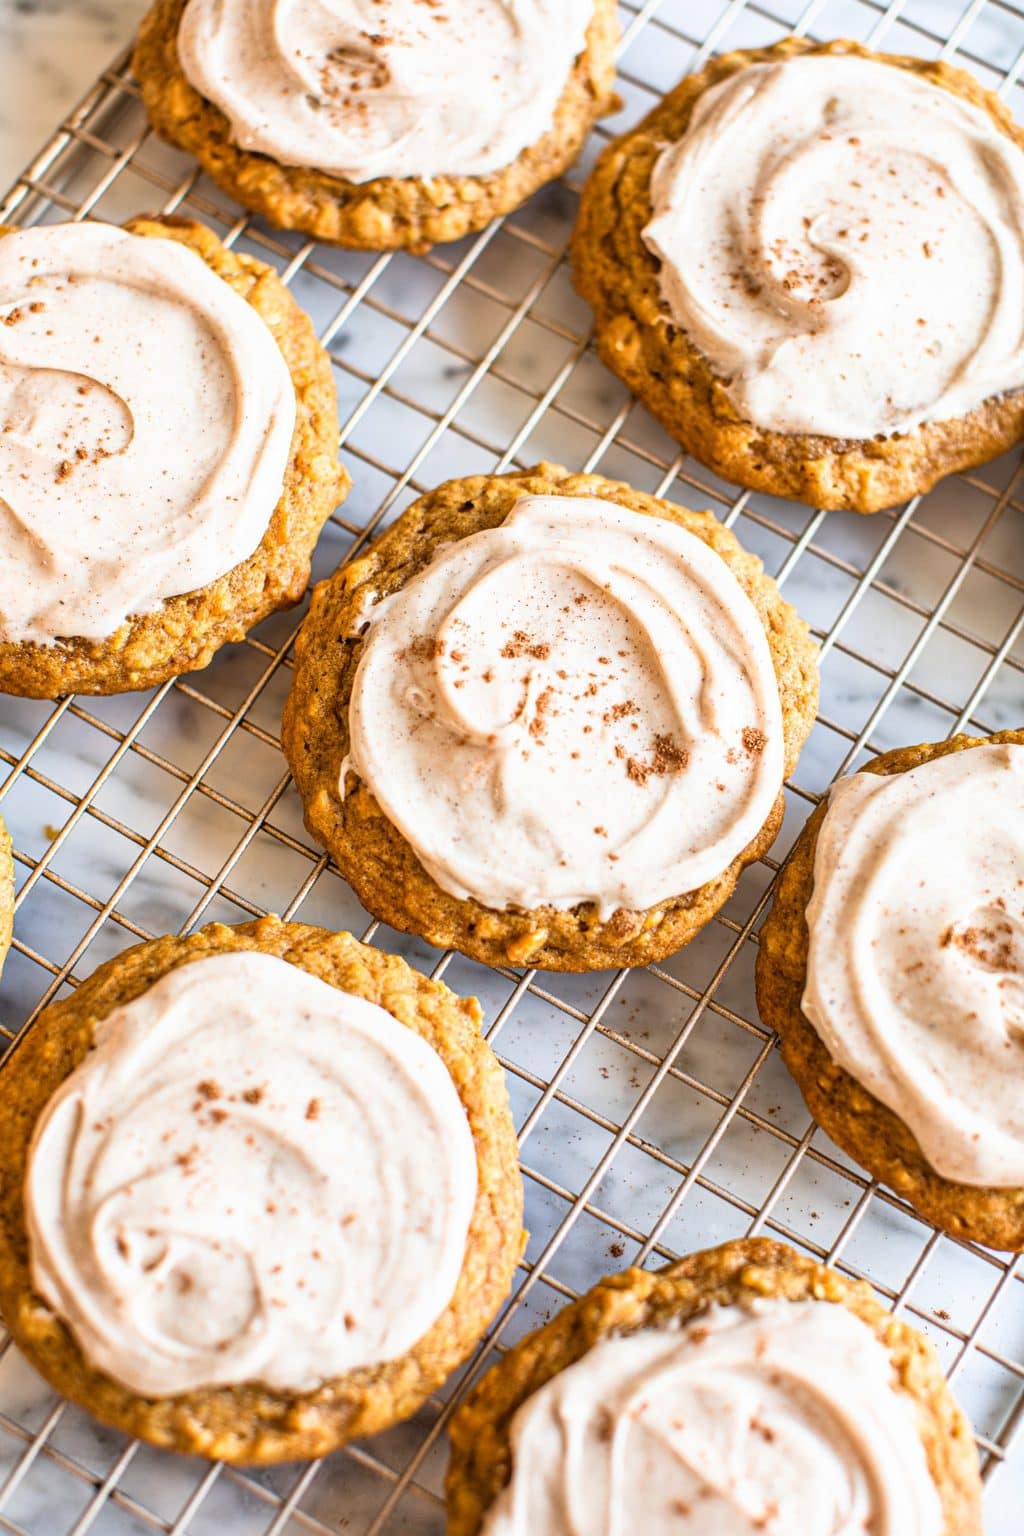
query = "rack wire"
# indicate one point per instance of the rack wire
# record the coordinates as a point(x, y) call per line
point(654, 1113)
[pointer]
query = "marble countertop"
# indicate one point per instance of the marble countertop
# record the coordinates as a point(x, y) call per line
point(52, 51)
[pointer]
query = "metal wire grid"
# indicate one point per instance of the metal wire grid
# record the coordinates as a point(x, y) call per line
point(653, 1113)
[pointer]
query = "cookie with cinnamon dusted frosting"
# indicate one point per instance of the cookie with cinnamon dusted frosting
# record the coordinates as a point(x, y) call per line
point(416, 128)
point(210, 1156)
point(892, 966)
point(168, 452)
point(807, 262)
point(546, 719)
point(6, 892)
point(745, 1387)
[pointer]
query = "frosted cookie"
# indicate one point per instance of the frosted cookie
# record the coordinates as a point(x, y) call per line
point(260, 1191)
point(168, 452)
point(545, 720)
point(808, 262)
point(892, 966)
point(414, 124)
point(743, 1389)
point(6, 893)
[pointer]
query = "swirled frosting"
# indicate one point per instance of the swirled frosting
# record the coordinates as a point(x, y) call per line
point(915, 973)
point(844, 242)
point(146, 416)
point(252, 1176)
point(773, 1421)
point(576, 706)
point(367, 88)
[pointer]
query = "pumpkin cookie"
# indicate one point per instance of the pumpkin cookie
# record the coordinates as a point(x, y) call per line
point(742, 1386)
point(168, 452)
point(210, 1155)
point(892, 966)
point(546, 719)
point(419, 131)
point(805, 262)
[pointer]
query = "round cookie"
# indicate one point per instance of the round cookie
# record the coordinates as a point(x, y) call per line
point(740, 1272)
point(388, 212)
point(857, 1121)
point(375, 857)
point(183, 634)
point(6, 893)
point(249, 1422)
point(618, 275)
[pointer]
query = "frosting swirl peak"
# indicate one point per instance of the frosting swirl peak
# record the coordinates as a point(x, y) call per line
point(400, 88)
point(844, 242)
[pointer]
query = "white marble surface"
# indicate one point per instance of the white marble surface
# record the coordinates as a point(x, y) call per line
point(52, 50)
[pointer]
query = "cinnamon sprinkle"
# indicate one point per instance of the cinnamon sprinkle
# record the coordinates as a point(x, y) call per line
point(666, 757)
point(522, 645)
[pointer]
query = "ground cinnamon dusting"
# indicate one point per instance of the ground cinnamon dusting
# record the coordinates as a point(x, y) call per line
point(994, 946)
point(621, 711)
point(522, 645)
point(424, 648)
point(666, 757)
point(537, 724)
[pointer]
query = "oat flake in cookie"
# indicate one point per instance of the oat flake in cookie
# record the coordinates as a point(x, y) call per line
point(892, 965)
point(269, 1184)
point(167, 452)
point(396, 123)
point(818, 283)
point(565, 708)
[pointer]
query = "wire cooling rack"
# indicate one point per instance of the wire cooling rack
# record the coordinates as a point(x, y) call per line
point(654, 1113)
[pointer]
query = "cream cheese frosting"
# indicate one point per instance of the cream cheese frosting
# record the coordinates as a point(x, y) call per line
point(368, 88)
point(252, 1176)
point(576, 706)
point(146, 417)
point(915, 971)
point(844, 242)
point(781, 1419)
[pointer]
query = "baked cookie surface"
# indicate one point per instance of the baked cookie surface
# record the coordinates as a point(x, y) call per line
point(619, 276)
point(184, 632)
point(389, 212)
point(249, 1422)
point(6, 893)
point(744, 1272)
point(856, 1120)
point(377, 859)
